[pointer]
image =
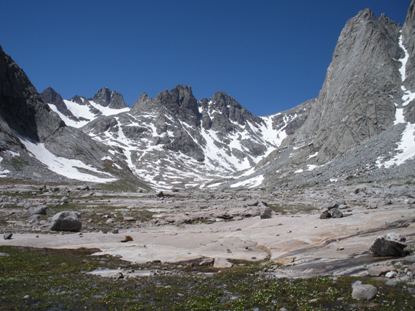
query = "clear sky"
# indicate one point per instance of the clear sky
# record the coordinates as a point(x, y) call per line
point(269, 54)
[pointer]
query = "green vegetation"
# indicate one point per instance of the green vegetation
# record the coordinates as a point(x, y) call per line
point(122, 185)
point(42, 279)
point(291, 208)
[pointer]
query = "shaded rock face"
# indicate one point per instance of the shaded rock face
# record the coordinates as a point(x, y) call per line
point(354, 103)
point(26, 120)
point(50, 96)
point(227, 110)
point(21, 108)
point(408, 32)
point(107, 98)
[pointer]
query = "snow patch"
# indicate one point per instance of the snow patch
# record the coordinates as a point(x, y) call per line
point(107, 111)
point(404, 59)
point(249, 183)
point(63, 166)
point(3, 173)
point(313, 155)
point(405, 149)
point(311, 167)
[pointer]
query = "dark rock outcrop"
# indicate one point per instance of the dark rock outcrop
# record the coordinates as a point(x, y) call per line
point(50, 96)
point(389, 245)
point(107, 98)
point(21, 108)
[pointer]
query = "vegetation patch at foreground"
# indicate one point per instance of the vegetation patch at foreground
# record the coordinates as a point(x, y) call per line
point(44, 279)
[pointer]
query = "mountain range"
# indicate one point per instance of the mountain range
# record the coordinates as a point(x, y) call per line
point(360, 127)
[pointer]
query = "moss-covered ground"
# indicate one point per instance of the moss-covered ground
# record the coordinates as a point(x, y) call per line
point(43, 279)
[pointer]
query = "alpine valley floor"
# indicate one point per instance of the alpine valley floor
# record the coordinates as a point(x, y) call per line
point(205, 250)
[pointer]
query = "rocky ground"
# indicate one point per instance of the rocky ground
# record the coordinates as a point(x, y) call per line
point(300, 249)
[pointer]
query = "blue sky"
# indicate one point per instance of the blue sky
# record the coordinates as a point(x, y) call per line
point(270, 55)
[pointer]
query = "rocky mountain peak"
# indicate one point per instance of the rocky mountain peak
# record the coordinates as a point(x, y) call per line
point(229, 108)
point(108, 98)
point(79, 100)
point(181, 102)
point(365, 14)
point(49, 95)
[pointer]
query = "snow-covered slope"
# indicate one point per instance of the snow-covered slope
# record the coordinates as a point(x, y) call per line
point(79, 110)
point(174, 140)
point(85, 113)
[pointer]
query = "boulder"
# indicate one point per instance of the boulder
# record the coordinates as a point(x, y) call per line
point(378, 270)
point(363, 291)
point(330, 206)
point(222, 263)
point(325, 215)
point(335, 213)
point(389, 245)
point(66, 221)
point(8, 236)
point(391, 274)
point(33, 219)
point(331, 212)
point(38, 210)
point(266, 213)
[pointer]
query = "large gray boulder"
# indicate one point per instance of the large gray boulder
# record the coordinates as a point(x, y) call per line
point(363, 291)
point(66, 221)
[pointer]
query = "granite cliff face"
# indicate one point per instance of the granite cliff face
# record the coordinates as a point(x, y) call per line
point(355, 101)
point(361, 126)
